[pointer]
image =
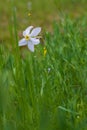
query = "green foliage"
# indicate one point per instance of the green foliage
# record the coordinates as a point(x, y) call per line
point(43, 13)
point(48, 92)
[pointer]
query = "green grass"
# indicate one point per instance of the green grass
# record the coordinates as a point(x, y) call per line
point(40, 92)
point(43, 13)
point(48, 92)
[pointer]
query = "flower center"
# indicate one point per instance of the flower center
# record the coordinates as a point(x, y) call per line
point(27, 37)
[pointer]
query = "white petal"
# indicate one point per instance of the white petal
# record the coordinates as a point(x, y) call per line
point(27, 31)
point(35, 41)
point(35, 31)
point(31, 46)
point(22, 42)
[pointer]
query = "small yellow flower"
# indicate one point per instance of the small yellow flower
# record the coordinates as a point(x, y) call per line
point(45, 51)
point(29, 14)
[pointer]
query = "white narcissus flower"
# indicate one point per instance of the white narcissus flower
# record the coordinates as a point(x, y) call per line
point(31, 37)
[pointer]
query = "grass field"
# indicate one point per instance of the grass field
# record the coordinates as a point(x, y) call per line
point(47, 89)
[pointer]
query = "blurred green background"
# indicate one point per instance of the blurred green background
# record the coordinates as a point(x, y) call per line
point(43, 13)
